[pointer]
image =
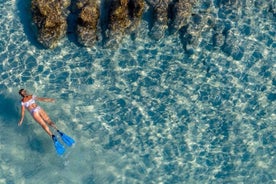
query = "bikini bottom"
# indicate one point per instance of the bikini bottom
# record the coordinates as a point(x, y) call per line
point(36, 109)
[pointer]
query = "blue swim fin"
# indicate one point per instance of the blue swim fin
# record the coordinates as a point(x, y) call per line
point(66, 139)
point(59, 147)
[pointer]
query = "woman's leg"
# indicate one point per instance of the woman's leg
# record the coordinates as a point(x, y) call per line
point(42, 123)
point(47, 119)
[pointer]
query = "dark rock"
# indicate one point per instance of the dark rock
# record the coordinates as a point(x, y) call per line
point(88, 21)
point(49, 17)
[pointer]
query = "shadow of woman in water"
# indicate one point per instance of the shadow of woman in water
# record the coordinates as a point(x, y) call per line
point(9, 108)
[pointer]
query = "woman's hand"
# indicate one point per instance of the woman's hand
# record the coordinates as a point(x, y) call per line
point(22, 115)
point(51, 100)
point(19, 123)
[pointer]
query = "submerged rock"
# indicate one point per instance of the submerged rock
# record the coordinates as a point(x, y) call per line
point(118, 16)
point(49, 17)
point(173, 13)
point(227, 3)
point(123, 17)
point(160, 16)
point(136, 10)
point(88, 20)
point(181, 12)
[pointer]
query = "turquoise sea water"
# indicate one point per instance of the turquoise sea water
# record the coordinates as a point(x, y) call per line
point(198, 106)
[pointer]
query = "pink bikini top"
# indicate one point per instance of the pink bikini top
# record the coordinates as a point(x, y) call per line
point(30, 102)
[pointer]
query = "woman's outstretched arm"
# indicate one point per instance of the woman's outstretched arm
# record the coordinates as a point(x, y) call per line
point(22, 115)
point(44, 99)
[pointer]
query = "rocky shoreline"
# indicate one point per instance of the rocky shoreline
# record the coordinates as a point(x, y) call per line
point(119, 17)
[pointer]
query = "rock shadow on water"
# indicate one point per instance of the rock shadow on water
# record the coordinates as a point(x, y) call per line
point(104, 20)
point(25, 16)
point(72, 20)
point(186, 40)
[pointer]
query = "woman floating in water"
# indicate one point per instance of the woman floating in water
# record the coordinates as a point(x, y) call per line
point(40, 116)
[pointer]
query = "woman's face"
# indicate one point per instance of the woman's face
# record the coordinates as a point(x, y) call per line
point(23, 92)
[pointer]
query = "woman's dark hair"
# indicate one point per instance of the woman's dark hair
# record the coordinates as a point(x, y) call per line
point(20, 91)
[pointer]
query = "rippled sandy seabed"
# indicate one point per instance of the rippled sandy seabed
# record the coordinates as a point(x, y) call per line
point(198, 106)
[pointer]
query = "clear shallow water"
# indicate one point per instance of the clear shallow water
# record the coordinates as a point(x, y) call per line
point(173, 111)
